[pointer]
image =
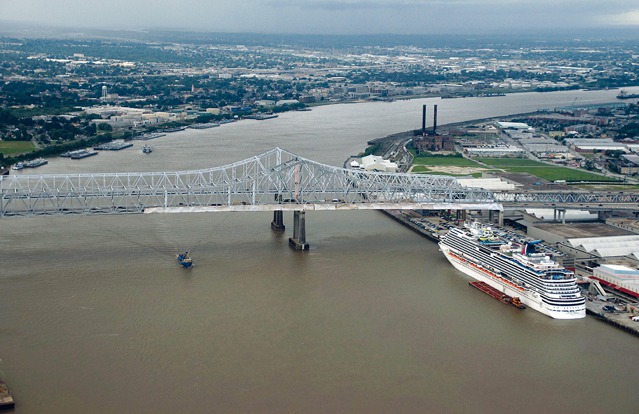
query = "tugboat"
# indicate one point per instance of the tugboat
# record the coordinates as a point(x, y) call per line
point(516, 302)
point(185, 259)
point(146, 149)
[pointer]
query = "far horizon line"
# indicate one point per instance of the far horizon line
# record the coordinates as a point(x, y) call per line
point(585, 32)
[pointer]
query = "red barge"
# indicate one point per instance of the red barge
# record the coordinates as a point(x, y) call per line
point(500, 296)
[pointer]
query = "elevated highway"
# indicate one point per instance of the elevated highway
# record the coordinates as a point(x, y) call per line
point(583, 200)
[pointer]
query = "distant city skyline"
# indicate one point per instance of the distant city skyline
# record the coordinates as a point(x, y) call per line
point(329, 16)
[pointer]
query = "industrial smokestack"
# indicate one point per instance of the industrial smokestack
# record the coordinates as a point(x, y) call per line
point(423, 119)
point(435, 121)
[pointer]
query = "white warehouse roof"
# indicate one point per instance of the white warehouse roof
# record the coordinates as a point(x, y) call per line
point(613, 246)
point(513, 125)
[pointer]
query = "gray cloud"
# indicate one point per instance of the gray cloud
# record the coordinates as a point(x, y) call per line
point(351, 4)
point(326, 16)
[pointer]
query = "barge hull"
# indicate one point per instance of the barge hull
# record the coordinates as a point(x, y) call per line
point(6, 399)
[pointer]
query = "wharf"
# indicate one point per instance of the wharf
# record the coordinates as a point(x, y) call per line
point(6, 399)
point(618, 319)
point(428, 232)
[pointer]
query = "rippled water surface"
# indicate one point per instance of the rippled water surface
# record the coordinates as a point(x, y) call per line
point(96, 316)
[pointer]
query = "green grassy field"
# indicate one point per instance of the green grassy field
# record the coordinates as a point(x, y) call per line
point(15, 147)
point(543, 171)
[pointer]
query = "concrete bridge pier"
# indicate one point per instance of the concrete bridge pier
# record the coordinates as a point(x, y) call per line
point(278, 222)
point(278, 217)
point(298, 241)
point(500, 217)
point(559, 213)
point(602, 215)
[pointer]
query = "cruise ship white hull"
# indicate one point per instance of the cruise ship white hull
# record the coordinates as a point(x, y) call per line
point(529, 298)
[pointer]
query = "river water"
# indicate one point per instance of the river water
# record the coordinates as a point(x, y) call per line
point(96, 316)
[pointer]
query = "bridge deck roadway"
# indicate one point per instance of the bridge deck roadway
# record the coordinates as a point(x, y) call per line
point(325, 207)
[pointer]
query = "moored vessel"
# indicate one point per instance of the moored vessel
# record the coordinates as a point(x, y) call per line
point(261, 117)
point(35, 163)
point(30, 164)
point(147, 136)
point(204, 125)
point(626, 95)
point(174, 129)
point(113, 146)
point(6, 399)
point(500, 296)
point(79, 154)
point(516, 270)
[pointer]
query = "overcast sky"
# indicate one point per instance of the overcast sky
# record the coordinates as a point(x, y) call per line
point(329, 16)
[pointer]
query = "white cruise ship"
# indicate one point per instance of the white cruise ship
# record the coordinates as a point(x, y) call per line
point(516, 270)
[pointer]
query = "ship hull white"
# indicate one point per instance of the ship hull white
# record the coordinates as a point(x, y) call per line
point(529, 298)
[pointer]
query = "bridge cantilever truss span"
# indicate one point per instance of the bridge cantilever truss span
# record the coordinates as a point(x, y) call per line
point(272, 181)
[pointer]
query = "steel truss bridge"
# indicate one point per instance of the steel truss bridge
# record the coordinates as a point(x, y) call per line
point(276, 180)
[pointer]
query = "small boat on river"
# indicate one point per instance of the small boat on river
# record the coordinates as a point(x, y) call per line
point(185, 259)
